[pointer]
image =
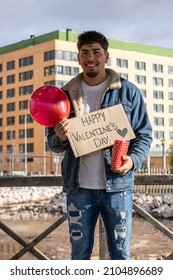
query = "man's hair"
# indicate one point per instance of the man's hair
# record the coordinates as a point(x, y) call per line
point(90, 37)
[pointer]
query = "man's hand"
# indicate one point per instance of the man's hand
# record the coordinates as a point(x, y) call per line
point(61, 129)
point(127, 165)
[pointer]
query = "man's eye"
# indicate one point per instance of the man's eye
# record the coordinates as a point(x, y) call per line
point(96, 52)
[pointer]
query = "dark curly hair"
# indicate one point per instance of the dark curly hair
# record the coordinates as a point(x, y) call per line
point(90, 37)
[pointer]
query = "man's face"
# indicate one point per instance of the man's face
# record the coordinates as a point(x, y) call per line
point(92, 59)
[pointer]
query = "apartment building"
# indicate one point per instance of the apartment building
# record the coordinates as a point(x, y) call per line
point(51, 59)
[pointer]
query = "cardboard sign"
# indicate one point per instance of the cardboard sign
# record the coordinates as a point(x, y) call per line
point(98, 130)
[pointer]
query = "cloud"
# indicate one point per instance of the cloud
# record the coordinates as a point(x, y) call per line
point(132, 20)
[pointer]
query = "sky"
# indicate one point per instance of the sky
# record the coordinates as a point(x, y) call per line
point(149, 22)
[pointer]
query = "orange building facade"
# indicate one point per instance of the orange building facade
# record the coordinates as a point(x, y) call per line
point(51, 59)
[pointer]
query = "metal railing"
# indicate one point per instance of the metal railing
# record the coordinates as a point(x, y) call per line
point(140, 180)
point(39, 165)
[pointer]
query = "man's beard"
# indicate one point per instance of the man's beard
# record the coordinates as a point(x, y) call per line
point(92, 74)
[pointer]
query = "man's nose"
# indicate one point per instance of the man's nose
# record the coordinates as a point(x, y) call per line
point(90, 55)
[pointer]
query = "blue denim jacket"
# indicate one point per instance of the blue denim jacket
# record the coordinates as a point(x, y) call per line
point(120, 91)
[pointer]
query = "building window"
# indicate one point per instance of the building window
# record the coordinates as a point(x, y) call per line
point(49, 55)
point(170, 95)
point(10, 107)
point(11, 79)
point(171, 135)
point(1, 121)
point(1, 67)
point(11, 134)
point(159, 121)
point(26, 90)
point(60, 54)
point(170, 83)
point(10, 120)
point(60, 70)
point(52, 83)
point(28, 75)
point(140, 65)
point(0, 81)
point(170, 122)
point(67, 70)
point(140, 79)
point(50, 70)
point(158, 94)
point(28, 119)
point(170, 70)
point(158, 68)
point(123, 75)
point(10, 93)
point(56, 83)
point(1, 108)
point(75, 71)
point(65, 55)
point(159, 135)
point(0, 94)
point(1, 135)
point(23, 105)
point(157, 81)
point(60, 83)
point(123, 63)
point(158, 108)
point(26, 61)
point(30, 148)
point(143, 92)
point(10, 148)
point(11, 65)
point(29, 133)
point(170, 108)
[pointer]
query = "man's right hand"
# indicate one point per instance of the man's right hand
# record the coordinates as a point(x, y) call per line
point(61, 129)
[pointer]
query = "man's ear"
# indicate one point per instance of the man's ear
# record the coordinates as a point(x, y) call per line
point(107, 57)
point(78, 58)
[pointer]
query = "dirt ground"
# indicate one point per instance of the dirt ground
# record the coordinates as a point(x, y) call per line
point(147, 241)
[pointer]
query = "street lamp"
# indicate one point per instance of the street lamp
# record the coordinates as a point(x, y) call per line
point(163, 155)
point(26, 152)
point(12, 156)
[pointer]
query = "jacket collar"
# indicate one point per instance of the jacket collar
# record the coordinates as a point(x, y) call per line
point(114, 81)
point(75, 90)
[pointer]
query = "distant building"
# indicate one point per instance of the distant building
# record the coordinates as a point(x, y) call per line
point(51, 59)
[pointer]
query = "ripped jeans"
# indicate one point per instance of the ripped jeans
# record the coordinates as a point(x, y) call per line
point(116, 211)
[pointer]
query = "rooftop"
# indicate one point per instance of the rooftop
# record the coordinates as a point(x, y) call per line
point(69, 35)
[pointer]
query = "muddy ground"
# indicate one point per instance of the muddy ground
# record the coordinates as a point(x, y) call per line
point(147, 241)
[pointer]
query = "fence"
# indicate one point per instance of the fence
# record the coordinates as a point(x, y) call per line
point(140, 180)
point(30, 165)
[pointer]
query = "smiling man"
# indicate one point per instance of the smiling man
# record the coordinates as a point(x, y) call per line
point(92, 58)
point(92, 187)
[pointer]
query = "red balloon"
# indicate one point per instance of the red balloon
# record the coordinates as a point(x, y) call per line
point(48, 105)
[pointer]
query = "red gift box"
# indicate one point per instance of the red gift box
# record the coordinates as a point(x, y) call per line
point(119, 148)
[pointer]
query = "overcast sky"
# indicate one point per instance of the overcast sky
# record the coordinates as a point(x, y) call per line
point(148, 22)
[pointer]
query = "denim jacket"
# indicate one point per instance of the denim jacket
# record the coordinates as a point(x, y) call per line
point(119, 91)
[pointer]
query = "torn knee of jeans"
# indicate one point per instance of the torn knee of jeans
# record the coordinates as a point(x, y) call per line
point(74, 219)
point(120, 231)
point(76, 234)
point(74, 214)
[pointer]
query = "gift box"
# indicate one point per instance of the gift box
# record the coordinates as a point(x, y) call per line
point(119, 148)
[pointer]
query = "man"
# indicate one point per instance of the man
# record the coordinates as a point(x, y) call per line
point(91, 186)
